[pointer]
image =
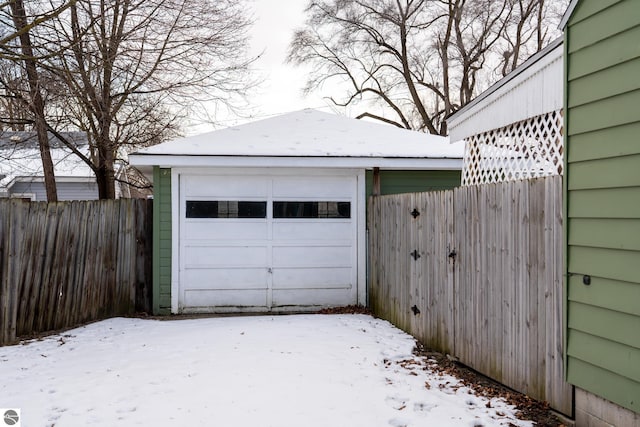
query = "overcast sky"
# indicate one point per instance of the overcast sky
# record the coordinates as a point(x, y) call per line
point(281, 90)
point(272, 32)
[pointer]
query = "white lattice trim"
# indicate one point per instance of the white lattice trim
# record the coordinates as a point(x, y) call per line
point(531, 148)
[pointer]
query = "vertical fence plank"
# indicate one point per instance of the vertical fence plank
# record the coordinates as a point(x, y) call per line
point(28, 244)
point(80, 292)
point(56, 257)
point(22, 243)
point(449, 244)
point(7, 296)
point(62, 302)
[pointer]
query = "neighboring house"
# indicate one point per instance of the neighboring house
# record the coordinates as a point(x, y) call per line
point(513, 130)
point(270, 215)
point(21, 173)
point(602, 196)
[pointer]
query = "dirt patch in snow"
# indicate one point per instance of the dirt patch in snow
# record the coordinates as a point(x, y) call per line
point(529, 408)
point(350, 309)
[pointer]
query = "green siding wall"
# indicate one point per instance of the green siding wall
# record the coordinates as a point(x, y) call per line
point(406, 181)
point(603, 199)
point(161, 241)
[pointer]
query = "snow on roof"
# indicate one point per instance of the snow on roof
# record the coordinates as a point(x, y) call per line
point(20, 157)
point(310, 133)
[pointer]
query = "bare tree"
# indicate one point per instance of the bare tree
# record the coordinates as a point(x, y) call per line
point(14, 112)
point(140, 66)
point(412, 63)
point(24, 52)
point(36, 103)
point(130, 72)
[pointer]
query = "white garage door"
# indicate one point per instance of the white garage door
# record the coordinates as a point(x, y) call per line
point(275, 242)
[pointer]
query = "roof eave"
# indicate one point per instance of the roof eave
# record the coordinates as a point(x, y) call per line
point(461, 113)
point(143, 162)
point(567, 14)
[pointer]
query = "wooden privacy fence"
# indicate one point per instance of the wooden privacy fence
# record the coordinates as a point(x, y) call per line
point(66, 263)
point(476, 272)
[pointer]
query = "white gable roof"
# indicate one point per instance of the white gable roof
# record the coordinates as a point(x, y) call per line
point(311, 133)
point(306, 138)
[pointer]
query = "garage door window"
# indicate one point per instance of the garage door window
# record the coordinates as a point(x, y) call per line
point(225, 209)
point(312, 209)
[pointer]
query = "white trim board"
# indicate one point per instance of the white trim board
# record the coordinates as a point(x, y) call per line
point(532, 89)
point(146, 162)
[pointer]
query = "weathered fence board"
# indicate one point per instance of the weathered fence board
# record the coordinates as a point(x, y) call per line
point(66, 263)
point(487, 287)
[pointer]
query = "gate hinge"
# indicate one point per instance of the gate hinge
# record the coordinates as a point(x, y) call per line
point(415, 254)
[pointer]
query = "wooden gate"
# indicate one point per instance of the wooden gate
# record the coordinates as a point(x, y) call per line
point(476, 272)
point(410, 238)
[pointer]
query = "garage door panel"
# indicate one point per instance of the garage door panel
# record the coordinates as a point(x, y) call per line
point(320, 278)
point(316, 229)
point(300, 252)
point(233, 298)
point(224, 256)
point(313, 297)
point(312, 256)
point(225, 278)
point(225, 230)
point(224, 187)
point(313, 188)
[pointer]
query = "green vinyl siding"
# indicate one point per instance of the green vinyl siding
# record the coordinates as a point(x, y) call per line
point(619, 141)
point(614, 295)
point(605, 83)
point(590, 8)
point(613, 233)
point(606, 53)
point(604, 262)
point(413, 181)
point(618, 327)
point(602, 153)
point(604, 202)
point(607, 23)
point(605, 113)
point(615, 388)
point(610, 355)
point(606, 173)
point(161, 241)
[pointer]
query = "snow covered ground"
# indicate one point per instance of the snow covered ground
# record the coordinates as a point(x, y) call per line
point(302, 371)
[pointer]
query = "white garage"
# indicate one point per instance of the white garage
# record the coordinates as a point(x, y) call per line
point(257, 240)
point(271, 215)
